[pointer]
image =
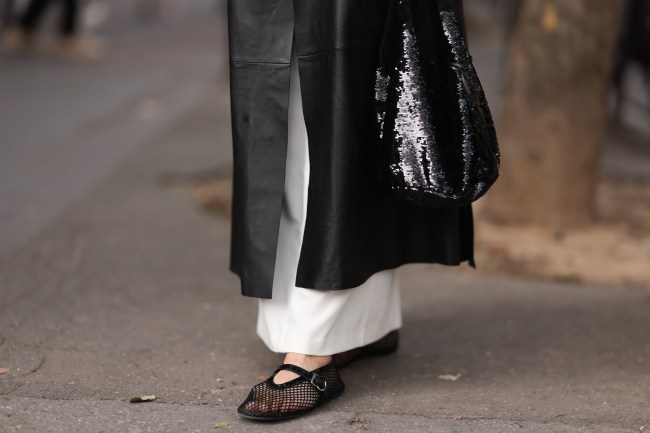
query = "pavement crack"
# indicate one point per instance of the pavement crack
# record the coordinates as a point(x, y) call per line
point(6, 393)
point(355, 417)
point(38, 366)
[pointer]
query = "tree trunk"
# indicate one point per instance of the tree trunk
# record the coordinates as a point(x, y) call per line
point(554, 115)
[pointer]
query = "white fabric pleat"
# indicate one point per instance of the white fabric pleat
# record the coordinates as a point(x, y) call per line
point(310, 321)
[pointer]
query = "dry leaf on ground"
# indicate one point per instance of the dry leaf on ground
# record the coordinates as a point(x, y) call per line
point(142, 399)
point(450, 377)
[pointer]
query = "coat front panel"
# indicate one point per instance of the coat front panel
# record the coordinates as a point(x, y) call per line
point(353, 229)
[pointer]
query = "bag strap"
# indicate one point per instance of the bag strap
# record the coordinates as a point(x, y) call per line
point(455, 6)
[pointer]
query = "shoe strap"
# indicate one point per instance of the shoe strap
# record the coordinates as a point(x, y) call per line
point(311, 376)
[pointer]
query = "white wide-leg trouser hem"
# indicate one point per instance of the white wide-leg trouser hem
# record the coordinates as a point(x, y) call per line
point(310, 321)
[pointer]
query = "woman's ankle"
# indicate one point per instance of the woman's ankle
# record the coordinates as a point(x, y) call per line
point(303, 360)
point(308, 362)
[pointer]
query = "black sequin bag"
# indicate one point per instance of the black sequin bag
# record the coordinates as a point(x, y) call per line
point(437, 142)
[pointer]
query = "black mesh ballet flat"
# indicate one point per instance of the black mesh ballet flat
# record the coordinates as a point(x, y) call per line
point(269, 401)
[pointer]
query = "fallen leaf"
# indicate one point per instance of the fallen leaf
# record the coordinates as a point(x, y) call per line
point(457, 417)
point(450, 377)
point(3, 370)
point(222, 424)
point(142, 399)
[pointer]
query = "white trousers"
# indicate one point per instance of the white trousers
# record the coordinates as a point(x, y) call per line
point(311, 321)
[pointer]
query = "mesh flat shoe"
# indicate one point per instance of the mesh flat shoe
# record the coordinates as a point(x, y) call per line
point(270, 401)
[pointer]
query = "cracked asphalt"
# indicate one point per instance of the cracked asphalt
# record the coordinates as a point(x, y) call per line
point(124, 291)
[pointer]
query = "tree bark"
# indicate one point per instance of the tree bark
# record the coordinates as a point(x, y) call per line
point(554, 112)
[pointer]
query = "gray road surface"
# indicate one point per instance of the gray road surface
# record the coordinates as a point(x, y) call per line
point(119, 287)
point(64, 125)
point(127, 293)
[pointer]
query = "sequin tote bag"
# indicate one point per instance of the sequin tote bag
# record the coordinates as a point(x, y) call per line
point(437, 142)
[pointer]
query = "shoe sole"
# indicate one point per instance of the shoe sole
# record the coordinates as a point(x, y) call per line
point(287, 417)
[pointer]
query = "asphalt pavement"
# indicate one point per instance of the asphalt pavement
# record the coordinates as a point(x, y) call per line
point(123, 290)
point(65, 125)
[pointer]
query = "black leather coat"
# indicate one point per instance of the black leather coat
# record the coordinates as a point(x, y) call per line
point(352, 229)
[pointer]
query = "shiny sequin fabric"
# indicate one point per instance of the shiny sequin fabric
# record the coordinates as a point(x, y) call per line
point(437, 137)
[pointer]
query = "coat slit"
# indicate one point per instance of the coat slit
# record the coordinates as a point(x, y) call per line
point(353, 229)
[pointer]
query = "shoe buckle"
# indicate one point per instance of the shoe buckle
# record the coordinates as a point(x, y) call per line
point(319, 383)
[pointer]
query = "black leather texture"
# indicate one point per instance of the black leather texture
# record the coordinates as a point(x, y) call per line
point(353, 227)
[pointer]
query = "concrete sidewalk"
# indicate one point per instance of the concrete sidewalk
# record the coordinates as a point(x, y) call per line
point(127, 293)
